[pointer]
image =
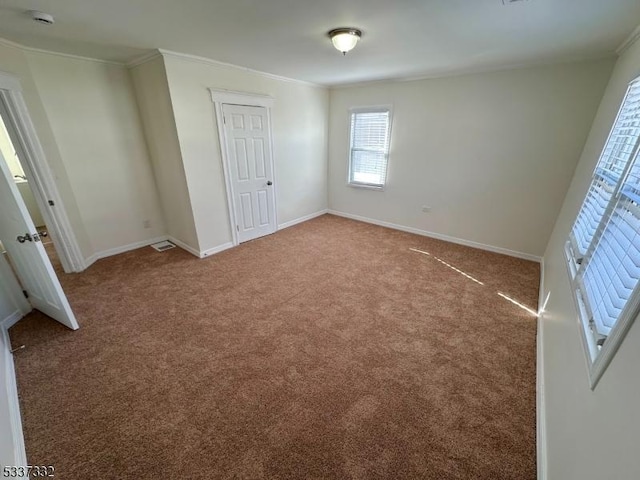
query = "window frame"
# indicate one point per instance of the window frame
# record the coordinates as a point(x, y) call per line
point(599, 358)
point(368, 109)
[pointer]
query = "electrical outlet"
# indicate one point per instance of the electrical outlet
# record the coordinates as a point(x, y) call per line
point(426, 209)
point(146, 224)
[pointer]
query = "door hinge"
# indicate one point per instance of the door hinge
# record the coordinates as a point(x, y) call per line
point(237, 228)
point(224, 119)
point(25, 293)
point(51, 202)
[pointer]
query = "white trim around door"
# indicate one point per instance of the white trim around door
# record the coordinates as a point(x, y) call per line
point(229, 97)
point(23, 134)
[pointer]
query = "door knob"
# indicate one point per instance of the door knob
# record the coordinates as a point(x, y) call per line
point(269, 183)
point(24, 238)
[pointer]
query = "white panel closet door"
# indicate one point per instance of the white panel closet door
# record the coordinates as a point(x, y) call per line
point(251, 170)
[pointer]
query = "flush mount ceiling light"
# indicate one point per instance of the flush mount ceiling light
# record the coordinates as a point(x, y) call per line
point(344, 39)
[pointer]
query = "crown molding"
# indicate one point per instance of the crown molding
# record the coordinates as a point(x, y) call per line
point(630, 40)
point(208, 61)
point(473, 71)
point(147, 57)
point(9, 43)
point(74, 57)
point(142, 59)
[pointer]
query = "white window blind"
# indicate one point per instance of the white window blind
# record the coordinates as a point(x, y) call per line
point(613, 162)
point(369, 146)
point(604, 243)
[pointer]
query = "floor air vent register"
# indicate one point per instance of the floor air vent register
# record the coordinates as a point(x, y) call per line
point(162, 246)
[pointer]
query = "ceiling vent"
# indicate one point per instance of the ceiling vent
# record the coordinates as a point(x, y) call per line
point(41, 17)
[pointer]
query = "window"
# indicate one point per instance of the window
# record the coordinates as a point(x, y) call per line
point(603, 250)
point(369, 146)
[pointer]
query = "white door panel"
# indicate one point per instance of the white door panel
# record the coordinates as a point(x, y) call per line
point(263, 207)
point(29, 257)
point(251, 170)
point(246, 211)
point(259, 156)
point(242, 162)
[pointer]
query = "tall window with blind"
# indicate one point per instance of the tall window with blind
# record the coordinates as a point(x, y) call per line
point(603, 251)
point(369, 146)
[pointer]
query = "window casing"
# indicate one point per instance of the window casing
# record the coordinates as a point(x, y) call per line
point(603, 250)
point(369, 136)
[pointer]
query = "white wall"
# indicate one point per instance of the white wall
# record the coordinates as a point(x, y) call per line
point(92, 111)
point(299, 125)
point(154, 103)
point(492, 154)
point(590, 435)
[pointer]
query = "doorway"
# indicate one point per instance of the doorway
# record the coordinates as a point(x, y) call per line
point(19, 237)
point(25, 188)
point(244, 129)
point(30, 171)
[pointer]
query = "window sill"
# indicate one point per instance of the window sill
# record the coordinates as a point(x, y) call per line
point(366, 186)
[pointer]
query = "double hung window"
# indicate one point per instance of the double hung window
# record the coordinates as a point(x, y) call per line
point(603, 250)
point(369, 146)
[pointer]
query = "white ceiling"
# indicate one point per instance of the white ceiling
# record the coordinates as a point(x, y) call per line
point(401, 38)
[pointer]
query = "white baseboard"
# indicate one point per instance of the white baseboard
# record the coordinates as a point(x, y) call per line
point(184, 246)
point(11, 320)
point(144, 243)
point(200, 254)
point(302, 219)
point(124, 248)
point(11, 390)
point(542, 298)
point(218, 249)
point(439, 236)
point(203, 253)
point(541, 423)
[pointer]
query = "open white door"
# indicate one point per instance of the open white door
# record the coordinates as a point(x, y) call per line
point(251, 168)
point(28, 256)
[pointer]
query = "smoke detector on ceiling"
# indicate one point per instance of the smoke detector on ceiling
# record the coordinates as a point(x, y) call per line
point(41, 17)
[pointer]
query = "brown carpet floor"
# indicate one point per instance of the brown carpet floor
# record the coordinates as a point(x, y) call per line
point(329, 350)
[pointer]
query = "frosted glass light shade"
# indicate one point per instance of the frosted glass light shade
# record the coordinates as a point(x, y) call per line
point(344, 39)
